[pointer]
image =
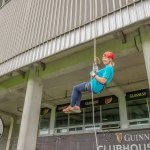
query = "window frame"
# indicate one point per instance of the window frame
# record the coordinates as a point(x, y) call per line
point(141, 121)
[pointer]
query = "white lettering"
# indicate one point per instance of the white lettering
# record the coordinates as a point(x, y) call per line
point(127, 137)
point(118, 147)
point(140, 147)
point(132, 137)
point(148, 146)
point(137, 137)
point(126, 147)
point(99, 147)
point(132, 146)
point(147, 137)
point(137, 95)
point(89, 103)
point(141, 137)
point(110, 147)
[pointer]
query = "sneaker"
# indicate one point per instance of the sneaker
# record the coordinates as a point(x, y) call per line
point(76, 109)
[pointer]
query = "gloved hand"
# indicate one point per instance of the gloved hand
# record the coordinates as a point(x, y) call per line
point(95, 67)
point(93, 74)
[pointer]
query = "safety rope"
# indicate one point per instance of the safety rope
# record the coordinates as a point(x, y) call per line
point(96, 61)
point(95, 57)
point(93, 107)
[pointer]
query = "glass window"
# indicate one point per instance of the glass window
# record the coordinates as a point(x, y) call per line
point(61, 119)
point(89, 115)
point(44, 122)
point(137, 109)
point(110, 113)
point(76, 119)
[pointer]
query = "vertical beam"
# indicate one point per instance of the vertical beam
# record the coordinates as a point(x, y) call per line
point(10, 133)
point(145, 38)
point(52, 120)
point(31, 112)
point(123, 112)
point(122, 105)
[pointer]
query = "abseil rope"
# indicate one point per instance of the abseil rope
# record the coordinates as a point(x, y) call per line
point(94, 65)
point(93, 107)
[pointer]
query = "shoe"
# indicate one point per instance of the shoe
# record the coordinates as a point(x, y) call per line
point(68, 110)
point(76, 109)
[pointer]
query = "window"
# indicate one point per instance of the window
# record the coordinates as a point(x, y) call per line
point(110, 113)
point(89, 115)
point(138, 111)
point(44, 121)
point(61, 119)
point(110, 116)
point(138, 108)
point(76, 119)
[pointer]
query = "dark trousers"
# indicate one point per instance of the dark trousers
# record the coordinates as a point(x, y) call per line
point(76, 93)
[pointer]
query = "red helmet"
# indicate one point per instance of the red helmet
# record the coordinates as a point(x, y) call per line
point(109, 55)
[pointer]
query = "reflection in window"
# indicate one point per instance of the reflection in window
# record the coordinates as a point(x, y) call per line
point(137, 109)
point(61, 119)
point(44, 122)
point(76, 119)
point(110, 113)
point(89, 115)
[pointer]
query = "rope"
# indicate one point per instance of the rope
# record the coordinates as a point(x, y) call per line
point(93, 108)
point(95, 58)
point(96, 61)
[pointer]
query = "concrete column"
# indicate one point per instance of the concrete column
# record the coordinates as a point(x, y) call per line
point(123, 112)
point(145, 37)
point(122, 105)
point(31, 112)
point(52, 120)
point(10, 133)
